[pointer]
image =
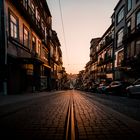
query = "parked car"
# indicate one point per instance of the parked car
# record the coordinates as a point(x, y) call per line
point(94, 87)
point(101, 88)
point(117, 87)
point(133, 89)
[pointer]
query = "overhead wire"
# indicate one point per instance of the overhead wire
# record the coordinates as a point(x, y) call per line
point(63, 30)
point(64, 37)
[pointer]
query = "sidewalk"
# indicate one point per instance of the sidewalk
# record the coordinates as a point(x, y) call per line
point(10, 99)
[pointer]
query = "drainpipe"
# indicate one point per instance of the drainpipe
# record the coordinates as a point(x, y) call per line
point(3, 35)
point(114, 57)
point(6, 46)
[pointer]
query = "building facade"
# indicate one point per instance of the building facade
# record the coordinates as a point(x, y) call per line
point(25, 31)
point(131, 40)
point(119, 23)
point(94, 57)
point(105, 55)
point(55, 62)
point(117, 54)
point(127, 48)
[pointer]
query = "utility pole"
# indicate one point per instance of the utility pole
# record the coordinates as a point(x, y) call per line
point(3, 49)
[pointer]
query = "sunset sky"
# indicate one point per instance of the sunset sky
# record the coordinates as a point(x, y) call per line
point(82, 20)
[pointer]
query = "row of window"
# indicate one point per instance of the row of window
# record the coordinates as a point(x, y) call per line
point(33, 9)
point(105, 68)
point(133, 51)
point(120, 33)
point(14, 33)
point(121, 12)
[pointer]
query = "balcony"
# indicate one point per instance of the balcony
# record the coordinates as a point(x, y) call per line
point(17, 43)
point(27, 12)
point(101, 74)
point(132, 34)
point(94, 58)
point(108, 41)
point(133, 61)
point(101, 62)
point(108, 59)
point(102, 47)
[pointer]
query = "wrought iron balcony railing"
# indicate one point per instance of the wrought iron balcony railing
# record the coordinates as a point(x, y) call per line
point(29, 14)
point(132, 34)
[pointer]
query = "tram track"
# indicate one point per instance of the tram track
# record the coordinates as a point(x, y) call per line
point(70, 122)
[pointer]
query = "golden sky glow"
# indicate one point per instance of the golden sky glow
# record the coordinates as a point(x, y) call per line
point(83, 20)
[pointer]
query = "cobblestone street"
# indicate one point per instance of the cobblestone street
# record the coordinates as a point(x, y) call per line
point(60, 115)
